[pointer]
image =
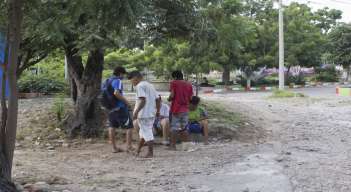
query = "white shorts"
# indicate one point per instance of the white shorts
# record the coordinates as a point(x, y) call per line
point(145, 128)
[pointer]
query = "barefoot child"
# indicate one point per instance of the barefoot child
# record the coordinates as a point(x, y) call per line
point(198, 123)
point(181, 93)
point(118, 106)
point(146, 107)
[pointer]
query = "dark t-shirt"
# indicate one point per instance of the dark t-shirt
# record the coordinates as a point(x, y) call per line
point(118, 86)
point(183, 91)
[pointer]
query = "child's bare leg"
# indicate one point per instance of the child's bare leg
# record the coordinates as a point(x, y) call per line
point(112, 138)
point(129, 138)
point(150, 152)
point(141, 144)
point(173, 140)
point(165, 129)
point(204, 124)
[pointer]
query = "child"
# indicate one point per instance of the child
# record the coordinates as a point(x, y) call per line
point(198, 119)
point(146, 107)
point(181, 92)
point(162, 122)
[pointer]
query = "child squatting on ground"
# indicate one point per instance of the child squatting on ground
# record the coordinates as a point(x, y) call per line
point(198, 119)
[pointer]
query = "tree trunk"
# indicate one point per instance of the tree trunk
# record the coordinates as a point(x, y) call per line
point(5, 184)
point(8, 133)
point(248, 82)
point(197, 84)
point(226, 75)
point(74, 90)
point(347, 74)
point(87, 119)
point(287, 75)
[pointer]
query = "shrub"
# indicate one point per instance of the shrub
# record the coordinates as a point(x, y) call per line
point(268, 81)
point(107, 73)
point(59, 106)
point(222, 83)
point(285, 94)
point(40, 84)
point(327, 74)
point(296, 79)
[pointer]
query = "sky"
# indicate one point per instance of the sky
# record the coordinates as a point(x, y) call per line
point(343, 5)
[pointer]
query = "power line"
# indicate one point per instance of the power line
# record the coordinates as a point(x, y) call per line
point(322, 2)
point(343, 2)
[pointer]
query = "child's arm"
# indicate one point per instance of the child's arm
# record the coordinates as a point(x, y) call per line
point(203, 115)
point(158, 107)
point(139, 107)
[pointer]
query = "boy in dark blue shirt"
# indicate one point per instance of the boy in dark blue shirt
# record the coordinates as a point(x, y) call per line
point(119, 117)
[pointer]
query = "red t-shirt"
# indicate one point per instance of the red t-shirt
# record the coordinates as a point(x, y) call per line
point(183, 91)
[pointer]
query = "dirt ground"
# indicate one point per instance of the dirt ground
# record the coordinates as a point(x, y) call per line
point(299, 144)
point(46, 160)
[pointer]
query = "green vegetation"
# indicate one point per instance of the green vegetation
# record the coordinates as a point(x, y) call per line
point(45, 77)
point(40, 84)
point(59, 107)
point(218, 112)
point(327, 74)
point(193, 36)
point(285, 94)
point(340, 46)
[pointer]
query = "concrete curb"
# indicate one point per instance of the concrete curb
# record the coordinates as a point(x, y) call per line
point(268, 88)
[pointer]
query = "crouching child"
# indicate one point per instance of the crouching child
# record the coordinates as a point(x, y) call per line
point(198, 119)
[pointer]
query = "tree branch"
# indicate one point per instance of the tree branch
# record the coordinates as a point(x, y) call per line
point(28, 62)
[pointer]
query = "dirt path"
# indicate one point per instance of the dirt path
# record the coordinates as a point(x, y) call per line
point(90, 166)
point(306, 149)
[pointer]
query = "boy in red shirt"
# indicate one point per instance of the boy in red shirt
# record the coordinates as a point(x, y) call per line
point(181, 93)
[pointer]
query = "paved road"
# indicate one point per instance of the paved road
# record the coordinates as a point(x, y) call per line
point(307, 149)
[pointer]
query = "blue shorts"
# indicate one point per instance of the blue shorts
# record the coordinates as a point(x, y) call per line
point(120, 118)
point(179, 121)
point(195, 128)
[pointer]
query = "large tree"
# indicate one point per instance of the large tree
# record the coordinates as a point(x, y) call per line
point(88, 26)
point(232, 32)
point(10, 108)
point(340, 46)
point(259, 50)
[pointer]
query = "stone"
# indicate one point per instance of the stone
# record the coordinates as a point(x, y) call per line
point(37, 187)
point(19, 187)
point(40, 183)
point(191, 187)
point(28, 138)
point(65, 145)
point(50, 148)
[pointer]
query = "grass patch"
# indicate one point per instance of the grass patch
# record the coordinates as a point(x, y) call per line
point(285, 94)
point(59, 106)
point(218, 112)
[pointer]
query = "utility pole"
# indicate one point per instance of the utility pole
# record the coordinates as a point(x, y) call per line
point(281, 46)
point(66, 69)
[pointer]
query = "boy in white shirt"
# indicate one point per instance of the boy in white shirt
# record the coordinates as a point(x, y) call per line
point(146, 108)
